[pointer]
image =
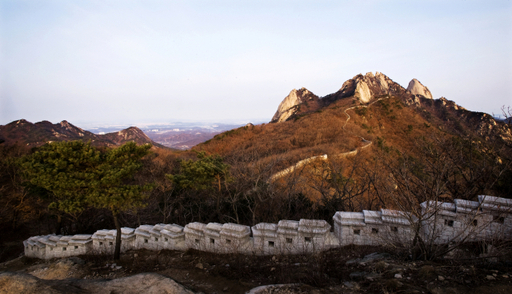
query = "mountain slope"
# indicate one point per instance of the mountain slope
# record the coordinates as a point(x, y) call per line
point(400, 123)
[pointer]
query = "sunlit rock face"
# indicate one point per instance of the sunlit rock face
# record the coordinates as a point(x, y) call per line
point(363, 88)
point(417, 88)
point(289, 105)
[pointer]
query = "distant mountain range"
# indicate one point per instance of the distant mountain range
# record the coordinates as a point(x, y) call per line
point(36, 134)
point(180, 136)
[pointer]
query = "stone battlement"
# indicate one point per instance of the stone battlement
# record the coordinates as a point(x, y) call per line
point(489, 218)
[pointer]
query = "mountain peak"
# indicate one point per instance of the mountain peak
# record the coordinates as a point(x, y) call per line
point(364, 88)
point(288, 106)
point(416, 88)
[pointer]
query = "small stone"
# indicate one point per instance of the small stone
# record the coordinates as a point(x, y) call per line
point(505, 276)
point(225, 289)
point(135, 255)
point(272, 269)
point(490, 278)
point(357, 275)
point(440, 278)
point(200, 266)
point(398, 276)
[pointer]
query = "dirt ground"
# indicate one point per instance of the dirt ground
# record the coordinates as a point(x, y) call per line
point(343, 270)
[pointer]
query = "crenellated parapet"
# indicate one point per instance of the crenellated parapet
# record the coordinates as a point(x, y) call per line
point(489, 218)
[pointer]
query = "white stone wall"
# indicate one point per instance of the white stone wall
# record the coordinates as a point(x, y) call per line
point(265, 238)
point(194, 236)
point(350, 228)
point(398, 227)
point(489, 218)
point(53, 246)
point(236, 238)
point(173, 237)
point(143, 237)
point(315, 235)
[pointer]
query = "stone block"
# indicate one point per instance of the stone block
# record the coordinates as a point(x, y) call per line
point(265, 238)
point(194, 235)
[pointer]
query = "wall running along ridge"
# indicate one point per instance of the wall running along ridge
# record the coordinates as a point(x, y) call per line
point(489, 218)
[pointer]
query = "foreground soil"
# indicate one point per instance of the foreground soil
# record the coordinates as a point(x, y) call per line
point(344, 270)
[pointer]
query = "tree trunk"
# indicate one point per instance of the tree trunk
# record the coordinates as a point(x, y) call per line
point(117, 251)
point(59, 225)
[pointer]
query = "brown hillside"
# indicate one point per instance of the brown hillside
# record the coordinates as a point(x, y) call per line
point(408, 133)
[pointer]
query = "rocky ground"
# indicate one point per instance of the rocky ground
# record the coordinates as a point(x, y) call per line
point(344, 270)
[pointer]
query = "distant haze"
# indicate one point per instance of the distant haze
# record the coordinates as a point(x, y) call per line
point(131, 62)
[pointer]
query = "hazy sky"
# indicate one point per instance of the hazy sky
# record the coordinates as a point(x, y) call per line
point(157, 61)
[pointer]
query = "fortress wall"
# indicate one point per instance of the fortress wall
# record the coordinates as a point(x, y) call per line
point(265, 238)
point(194, 236)
point(236, 238)
point(439, 221)
point(490, 218)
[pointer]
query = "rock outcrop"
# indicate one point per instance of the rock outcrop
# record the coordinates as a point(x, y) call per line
point(140, 283)
point(364, 88)
point(417, 88)
point(289, 106)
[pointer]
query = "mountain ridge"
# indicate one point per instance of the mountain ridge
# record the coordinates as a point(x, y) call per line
point(37, 134)
point(362, 88)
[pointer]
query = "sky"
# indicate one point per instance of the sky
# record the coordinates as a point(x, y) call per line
point(128, 61)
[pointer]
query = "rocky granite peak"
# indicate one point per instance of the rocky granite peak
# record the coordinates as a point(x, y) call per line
point(417, 88)
point(288, 106)
point(364, 88)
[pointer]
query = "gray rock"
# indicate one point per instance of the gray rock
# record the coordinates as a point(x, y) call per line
point(417, 88)
point(375, 256)
point(369, 258)
point(142, 283)
point(288, 106)
point(357, 275)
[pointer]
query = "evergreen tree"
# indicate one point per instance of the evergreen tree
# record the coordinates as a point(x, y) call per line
point(65, 170)
point(113, 187)
point(81, 176)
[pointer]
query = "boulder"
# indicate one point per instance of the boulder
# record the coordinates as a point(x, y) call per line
point(417, 88)
point(288, 106)
point(148, 283)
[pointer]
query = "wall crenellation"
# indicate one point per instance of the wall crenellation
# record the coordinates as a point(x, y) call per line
point(489, 218)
